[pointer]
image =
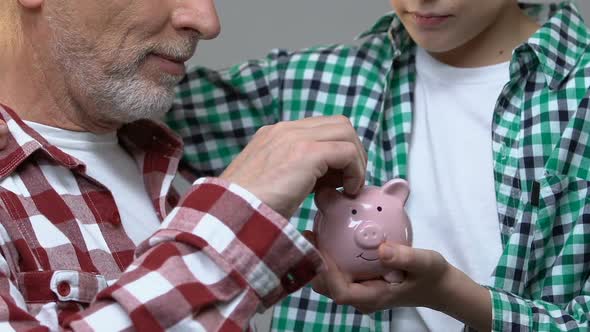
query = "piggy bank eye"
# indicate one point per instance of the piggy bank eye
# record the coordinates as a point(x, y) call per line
point(353, 211)
point(379, 209)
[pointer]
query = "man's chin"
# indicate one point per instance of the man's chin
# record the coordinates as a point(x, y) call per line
point(136, 102)
point(159, 78)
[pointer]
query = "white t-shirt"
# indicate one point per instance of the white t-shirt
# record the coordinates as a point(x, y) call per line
point(108, 163)
point(452, 203)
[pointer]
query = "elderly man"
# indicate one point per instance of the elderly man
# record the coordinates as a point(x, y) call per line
point(90, 238)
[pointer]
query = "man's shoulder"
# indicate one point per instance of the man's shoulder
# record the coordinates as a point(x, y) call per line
point(370, 51)
point(561, 46)
point(582, 68)
point(577, 84)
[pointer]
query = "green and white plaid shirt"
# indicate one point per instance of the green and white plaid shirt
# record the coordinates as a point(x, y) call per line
point(541, 153)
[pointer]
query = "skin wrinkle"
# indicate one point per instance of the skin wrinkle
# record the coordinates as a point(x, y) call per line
point(94, 66)
point(117, 90)
point(9, 26)
point(60, 45)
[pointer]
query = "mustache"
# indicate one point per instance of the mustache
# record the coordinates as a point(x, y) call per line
point(179, 51)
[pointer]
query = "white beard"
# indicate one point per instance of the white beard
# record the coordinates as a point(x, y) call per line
point(119, 93)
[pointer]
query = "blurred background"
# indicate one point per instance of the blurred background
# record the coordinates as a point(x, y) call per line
point(251, 28)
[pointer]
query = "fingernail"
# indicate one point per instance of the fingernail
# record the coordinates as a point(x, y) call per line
point(387, 252)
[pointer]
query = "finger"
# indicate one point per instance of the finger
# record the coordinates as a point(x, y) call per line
point(324, 128)
point(342, 156)
point(320, 283)
point(385, 296)
point(353, 178)
point(332, 179)
point(368, 295)
point(336, 132)
point(315, 121)
point(312, 122)
point(417, 261)
point(332, 280)
point(363, 294)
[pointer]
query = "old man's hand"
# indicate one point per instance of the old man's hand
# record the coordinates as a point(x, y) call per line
point(285, 162)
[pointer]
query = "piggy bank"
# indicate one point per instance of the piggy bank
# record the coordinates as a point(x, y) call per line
point(350, 229)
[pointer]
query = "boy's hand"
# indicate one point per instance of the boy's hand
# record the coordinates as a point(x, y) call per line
point(425, 276)
point(430, 281)
point(284, 162)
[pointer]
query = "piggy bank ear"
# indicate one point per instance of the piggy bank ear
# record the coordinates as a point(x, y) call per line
point(398, 188)
point(326, 196)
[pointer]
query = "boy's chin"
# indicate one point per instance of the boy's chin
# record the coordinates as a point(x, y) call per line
point(441, 45)
point(435, 42)
point(436, 48)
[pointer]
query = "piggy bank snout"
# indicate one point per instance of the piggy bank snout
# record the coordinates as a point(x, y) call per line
point(369, 235)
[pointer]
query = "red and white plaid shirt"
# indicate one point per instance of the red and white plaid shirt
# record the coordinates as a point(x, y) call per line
point(67, 264)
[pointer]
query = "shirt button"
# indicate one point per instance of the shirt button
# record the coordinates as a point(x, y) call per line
point(63, 288)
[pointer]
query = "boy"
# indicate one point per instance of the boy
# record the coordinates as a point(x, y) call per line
point(486, 113)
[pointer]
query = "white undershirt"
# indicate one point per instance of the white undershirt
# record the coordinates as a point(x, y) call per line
point(452, 203)
point(108, 163)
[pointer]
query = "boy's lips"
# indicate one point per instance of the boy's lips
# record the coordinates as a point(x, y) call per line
point(428, 20)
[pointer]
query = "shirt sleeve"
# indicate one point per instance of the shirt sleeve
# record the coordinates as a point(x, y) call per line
point(554, 264)
point(218, 258)
point(515, 313)
point(218, 112)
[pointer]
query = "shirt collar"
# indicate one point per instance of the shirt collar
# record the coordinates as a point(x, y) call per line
point(558, 45)
point(141, 136)
point(398, 36)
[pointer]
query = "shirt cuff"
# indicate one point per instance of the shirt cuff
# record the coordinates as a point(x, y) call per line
point(509, 311)
point(246, 236)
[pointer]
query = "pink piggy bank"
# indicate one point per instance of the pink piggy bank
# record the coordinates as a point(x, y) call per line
point(350, 229)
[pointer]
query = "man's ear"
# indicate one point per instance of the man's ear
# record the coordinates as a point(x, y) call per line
point(31, 4)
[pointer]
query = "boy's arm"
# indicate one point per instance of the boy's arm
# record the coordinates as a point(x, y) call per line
point(515, 313)
point(556, 295)
point(218, 112)
point(434, 283)
point(558, 283)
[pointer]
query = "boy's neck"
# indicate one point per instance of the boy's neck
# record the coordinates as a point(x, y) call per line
point(495, 44)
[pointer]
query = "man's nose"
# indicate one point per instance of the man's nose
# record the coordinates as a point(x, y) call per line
point(197, 15)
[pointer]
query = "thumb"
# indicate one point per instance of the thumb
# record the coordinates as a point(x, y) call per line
point(408, 259)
